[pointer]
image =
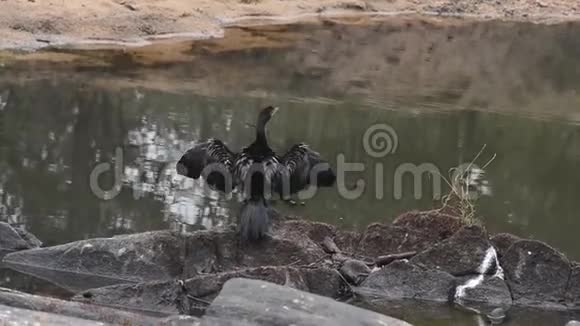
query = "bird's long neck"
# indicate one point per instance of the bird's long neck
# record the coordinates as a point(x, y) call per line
point(261, 133)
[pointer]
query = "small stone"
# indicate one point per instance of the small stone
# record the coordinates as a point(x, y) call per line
point(129, 6)
point(496, 316)
point(541, 4)
point(355, 271)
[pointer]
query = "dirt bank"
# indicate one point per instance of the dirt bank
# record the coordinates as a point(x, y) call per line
point(32, 24)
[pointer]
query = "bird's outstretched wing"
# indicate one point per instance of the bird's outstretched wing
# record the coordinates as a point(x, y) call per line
point(211, 160)
point(300, 168)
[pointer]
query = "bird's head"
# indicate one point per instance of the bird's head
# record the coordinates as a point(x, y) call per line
point(266, 114)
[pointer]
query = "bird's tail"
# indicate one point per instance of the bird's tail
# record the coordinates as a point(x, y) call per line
point(255, 217)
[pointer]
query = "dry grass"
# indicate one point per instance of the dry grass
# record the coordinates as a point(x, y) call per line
point(461, 200)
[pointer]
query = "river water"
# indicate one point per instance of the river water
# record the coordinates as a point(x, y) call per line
point(503, 96)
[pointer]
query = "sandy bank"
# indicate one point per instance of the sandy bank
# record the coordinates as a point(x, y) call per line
point(30, 24)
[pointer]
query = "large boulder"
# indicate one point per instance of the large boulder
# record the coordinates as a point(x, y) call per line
point(192, 296)
point(354, 271)
point(464, 253)
point(252, 302)
point(503, 241)
point(439, 224)
point(347, 241)
point(381, 239)
point(573, 287)
point(15, 239)
point(126, 258)
point(411, 231)
point(292, 243)
point(537, 274)
point(16, 316)
point(72, 309)
point(492, 291)
point(404, 280)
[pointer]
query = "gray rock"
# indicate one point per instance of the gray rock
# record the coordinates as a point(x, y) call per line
point(496, 316)
point(491, 290)
point(323, 281)
point(251, 302)
point(157, 298)
point(292, 243)
point(439, 224)
point(573, 323)
point(381, 239)
point(461, 254)
point(127, 258)
point(573, 287)
point(347, 241)
point(193, 296)
point(180, 320)
point(16, 316)
point(503, 241)
point(404, 280)
point(72, 309)
point(15, 238)
point(355, 271)
point(537, 274)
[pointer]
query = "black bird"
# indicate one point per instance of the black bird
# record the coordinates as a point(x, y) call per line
point(257, 172)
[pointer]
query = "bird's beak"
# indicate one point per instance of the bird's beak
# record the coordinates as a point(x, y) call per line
point(275, 110)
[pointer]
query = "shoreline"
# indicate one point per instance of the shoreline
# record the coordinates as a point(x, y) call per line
point(99, 25)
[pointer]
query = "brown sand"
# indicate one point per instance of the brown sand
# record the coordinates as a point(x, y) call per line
point(31, 24)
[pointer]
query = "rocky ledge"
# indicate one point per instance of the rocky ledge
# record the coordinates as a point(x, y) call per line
point(426, 256)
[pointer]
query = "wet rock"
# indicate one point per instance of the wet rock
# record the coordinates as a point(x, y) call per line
point(440, 224)
point(461, 254)
point(536, 273)
point(127, 258)
point(158, 298)
point(355, 271)
point(503, 241)
point(163, 255)
point(573, 287)
point(315, 231)
point(16, 238)
point(220, 250)
point(72, 309)
point(192, 296)
point(323, 281)
point(70, 281)
point(404, 280)
point(251, 302)
point(16, 316)
point(347, 241)
point(496, 316)
point(381, 239)
point(180, 320)
point(330, 247)
point(25, 283)
point(483, 289)
point(207, 287)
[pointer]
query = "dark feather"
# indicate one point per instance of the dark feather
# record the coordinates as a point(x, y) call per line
point(302, 167)
point(212, 160)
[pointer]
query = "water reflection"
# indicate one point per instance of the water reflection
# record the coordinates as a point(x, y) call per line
point(446, 92)
point(57, 133)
